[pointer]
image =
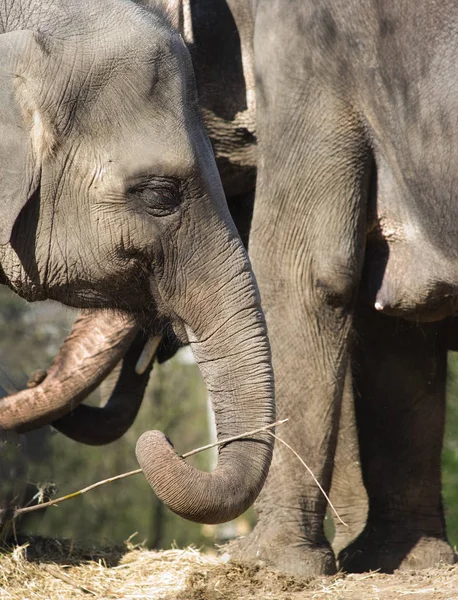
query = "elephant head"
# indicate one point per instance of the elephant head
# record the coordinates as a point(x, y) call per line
point(111, 200)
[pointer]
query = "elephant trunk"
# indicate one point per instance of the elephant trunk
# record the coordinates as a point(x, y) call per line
point(97, 342)
point(230, 345)
point(96, 426)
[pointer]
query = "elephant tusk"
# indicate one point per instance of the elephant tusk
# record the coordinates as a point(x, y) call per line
point(147, 355)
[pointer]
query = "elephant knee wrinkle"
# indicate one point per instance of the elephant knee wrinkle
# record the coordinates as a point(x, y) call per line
point(336, 290)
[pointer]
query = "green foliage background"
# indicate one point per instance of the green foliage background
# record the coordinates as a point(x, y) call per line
point(175, 403)
point(450, 452)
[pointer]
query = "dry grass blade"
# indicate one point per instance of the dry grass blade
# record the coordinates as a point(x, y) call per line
point(21, 511)
point(59, 574)
point(313, 476)
point(191, 575)
point(235, 437)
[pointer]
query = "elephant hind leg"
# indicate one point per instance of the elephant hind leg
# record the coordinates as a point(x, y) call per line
point(400, 406)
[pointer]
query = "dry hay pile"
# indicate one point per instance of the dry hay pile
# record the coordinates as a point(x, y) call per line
point(51, 569)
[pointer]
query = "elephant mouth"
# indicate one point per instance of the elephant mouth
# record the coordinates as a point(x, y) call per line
point(138, 304)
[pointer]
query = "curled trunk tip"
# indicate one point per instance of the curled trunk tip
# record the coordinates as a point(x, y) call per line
point(202, 497)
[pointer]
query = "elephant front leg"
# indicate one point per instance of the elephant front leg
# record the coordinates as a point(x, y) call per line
point(306, 244)
point(309, 338)
point(400, 378)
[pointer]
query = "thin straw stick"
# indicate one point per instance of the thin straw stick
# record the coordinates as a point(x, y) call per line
point(313, 476)
point(22, 511)
point(56, 501)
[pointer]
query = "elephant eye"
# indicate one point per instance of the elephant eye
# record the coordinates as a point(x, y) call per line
point(158, 196)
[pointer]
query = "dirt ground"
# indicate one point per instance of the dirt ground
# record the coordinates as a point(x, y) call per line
point(39, 569)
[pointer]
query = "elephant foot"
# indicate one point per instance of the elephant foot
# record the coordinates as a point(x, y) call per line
point(373, 550)
point(284, 551)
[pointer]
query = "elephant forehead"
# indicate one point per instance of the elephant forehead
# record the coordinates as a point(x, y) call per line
point(134, 161)
point(148, 106)
point(165, 165)
point(137, 71)
point(144, 65)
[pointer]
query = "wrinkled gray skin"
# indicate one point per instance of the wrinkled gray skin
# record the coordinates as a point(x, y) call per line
point(111, 200)
point(228, 108)
point(356, 215)
point(222, 57)
point(355, 137)
point(348, 494)
point(356, 130)
point(225, 82)
point(226, 98)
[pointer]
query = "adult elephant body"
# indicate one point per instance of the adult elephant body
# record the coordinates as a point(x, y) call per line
point(355, 128)
point(354, 232)
point(222, 54)
point(110, 199)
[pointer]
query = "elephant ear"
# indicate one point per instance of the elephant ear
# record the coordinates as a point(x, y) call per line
point(19, 160)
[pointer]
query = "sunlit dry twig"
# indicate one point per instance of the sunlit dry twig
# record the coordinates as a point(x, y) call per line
point(313, 476)
point(56, 501)
point(21, 511)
